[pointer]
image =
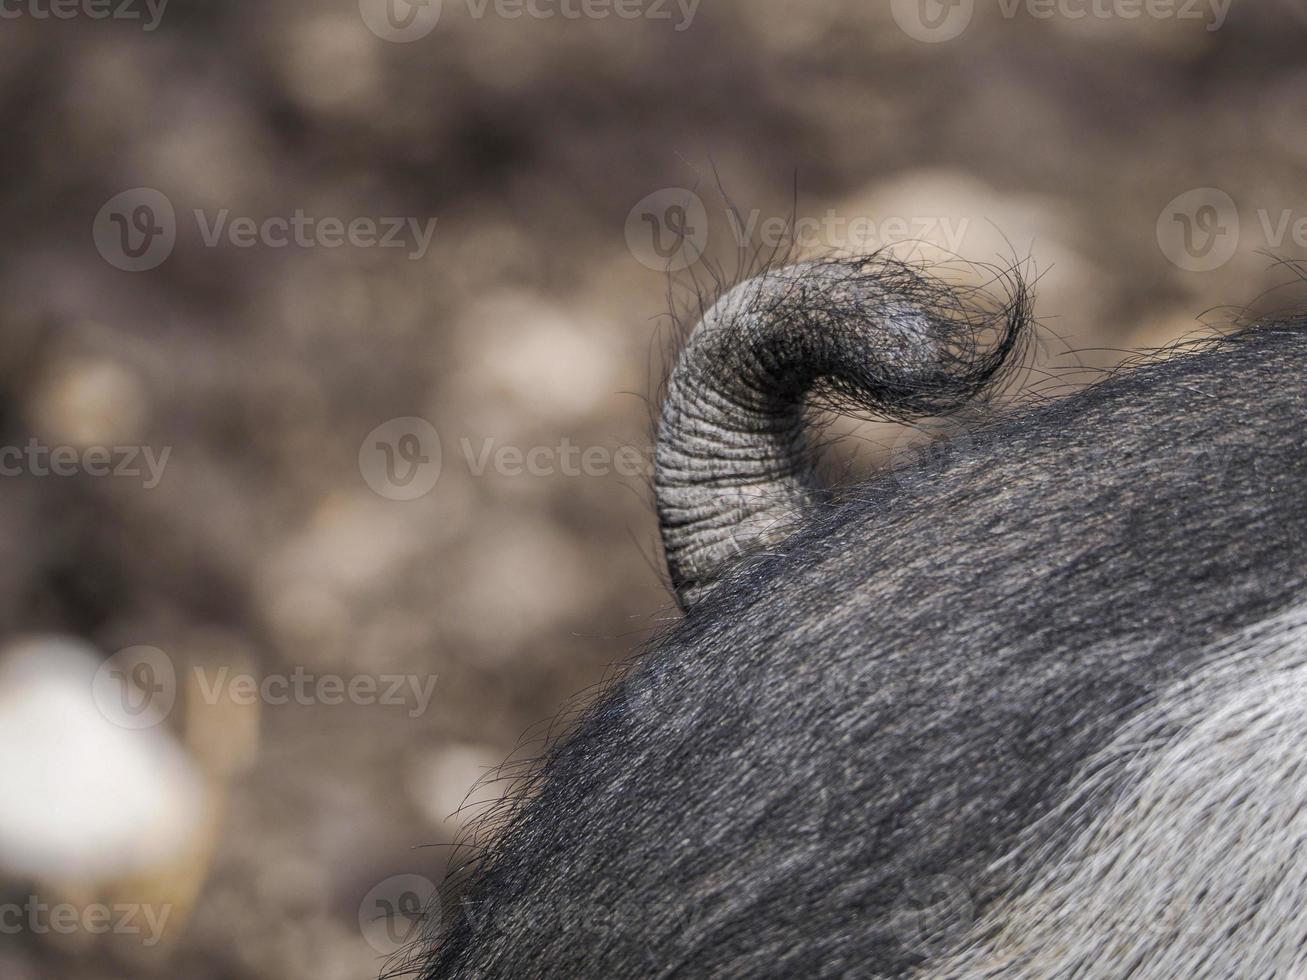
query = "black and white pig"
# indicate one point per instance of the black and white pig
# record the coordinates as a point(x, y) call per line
point(1033, 708)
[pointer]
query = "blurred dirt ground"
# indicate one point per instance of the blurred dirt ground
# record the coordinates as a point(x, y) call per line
point(530, 321)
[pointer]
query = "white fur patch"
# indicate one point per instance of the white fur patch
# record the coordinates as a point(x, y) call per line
point(1195, 864)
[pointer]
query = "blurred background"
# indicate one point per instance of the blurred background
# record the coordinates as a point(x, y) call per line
point(328, 332)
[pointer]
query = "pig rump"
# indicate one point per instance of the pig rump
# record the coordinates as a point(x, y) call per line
point(980, 717)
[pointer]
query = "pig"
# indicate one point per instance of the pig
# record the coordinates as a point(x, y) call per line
point(1033, 707)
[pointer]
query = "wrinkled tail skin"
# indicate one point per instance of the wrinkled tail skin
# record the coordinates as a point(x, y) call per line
point(734, 467)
